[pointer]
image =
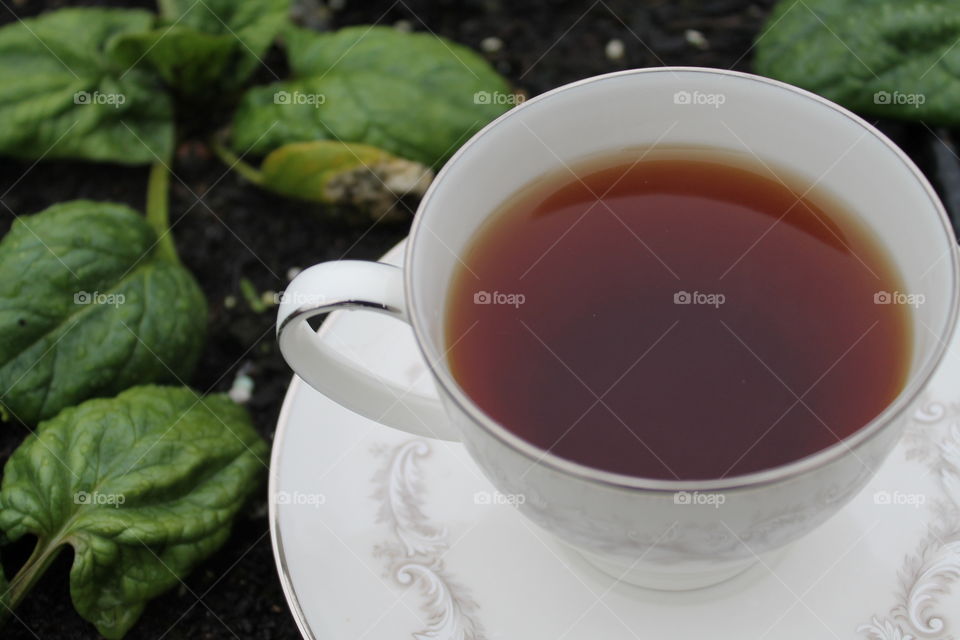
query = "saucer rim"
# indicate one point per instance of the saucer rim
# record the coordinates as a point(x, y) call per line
point(279, 557)
point(283, 421)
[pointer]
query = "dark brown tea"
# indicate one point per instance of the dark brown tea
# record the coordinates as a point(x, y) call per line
point(685, 316)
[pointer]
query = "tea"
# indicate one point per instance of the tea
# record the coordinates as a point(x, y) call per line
point(687, 315)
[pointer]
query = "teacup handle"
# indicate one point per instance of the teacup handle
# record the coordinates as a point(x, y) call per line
point(353, 284)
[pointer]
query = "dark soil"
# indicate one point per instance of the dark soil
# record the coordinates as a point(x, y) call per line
point(237, 231)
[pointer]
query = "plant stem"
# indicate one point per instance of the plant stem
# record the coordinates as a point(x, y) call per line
point(235, 163)
point(158, 210)
point(31, 571)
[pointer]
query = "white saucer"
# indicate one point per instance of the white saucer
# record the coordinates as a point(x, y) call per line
point(381, 535)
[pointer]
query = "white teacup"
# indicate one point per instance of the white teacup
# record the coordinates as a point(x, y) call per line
point(656, 533)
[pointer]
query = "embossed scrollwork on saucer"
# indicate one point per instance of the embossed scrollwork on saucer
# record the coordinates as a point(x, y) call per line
point(934, 569)
point(414, 554)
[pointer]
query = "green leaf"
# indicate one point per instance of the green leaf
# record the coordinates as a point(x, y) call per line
point(89, 307)
point(250, 25)
point(888, 58)
point(142, 486)
point(189, 61)
point(414, 95)
point(205, 47)
point(62, 96)
point(334, 172)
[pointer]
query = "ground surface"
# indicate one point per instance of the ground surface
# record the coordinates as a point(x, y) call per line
point(239, 232)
